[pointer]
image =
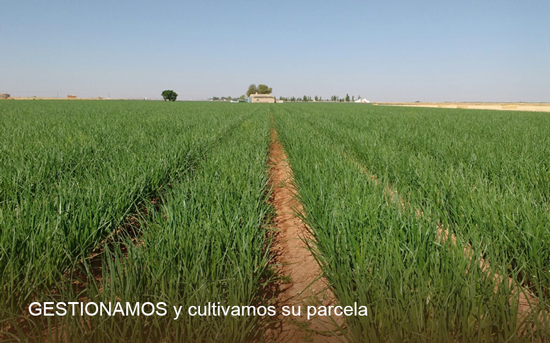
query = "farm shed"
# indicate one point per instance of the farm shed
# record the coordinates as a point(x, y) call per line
point(4, 96)
point(261, 98)
point(363, 101)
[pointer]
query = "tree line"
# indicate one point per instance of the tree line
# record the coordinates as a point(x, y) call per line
point(170, 95)
point(334, 98)
point(264, 89)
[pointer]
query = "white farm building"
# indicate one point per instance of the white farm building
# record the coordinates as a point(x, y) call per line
point(261, 98)
point(362, 101)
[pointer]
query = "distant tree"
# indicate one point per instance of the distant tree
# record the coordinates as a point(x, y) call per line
point(252, 89)
point(305, 98)
point(169, 95)
point(353, 98)
point(215, 98)
point(263, 89)
point(316, 98)
point(242, 97)
point(293, 99)
point(347, 97)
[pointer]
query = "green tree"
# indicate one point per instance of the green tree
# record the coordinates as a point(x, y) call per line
point(305, 98)
point(347, 97)
point(353, 98)
point(252, 89)
point(263, 89)
point(169, 95)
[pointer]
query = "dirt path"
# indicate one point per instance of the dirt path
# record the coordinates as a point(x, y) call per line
point(300, 279)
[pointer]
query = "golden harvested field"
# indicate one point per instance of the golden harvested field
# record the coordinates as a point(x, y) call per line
point(532, 107)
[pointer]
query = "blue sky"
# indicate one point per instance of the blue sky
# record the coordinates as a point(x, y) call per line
point(382, 50)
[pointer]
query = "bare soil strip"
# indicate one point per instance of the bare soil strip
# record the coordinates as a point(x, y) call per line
point(300, 280)
point(527, 302)
point(531, 107)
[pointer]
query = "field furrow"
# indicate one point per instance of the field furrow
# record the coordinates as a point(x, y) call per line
point(384, 254)
point(301, 282)
point(138, 165)
point(218, 216)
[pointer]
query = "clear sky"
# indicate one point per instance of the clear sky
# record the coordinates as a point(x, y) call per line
point(387, 50)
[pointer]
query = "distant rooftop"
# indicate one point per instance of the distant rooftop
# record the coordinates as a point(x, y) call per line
point(261, 95)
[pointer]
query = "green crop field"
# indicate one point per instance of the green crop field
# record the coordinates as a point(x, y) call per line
point(380, 185)
point(438, 220)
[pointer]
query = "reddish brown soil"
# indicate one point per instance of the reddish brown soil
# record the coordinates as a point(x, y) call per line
point(300, 280)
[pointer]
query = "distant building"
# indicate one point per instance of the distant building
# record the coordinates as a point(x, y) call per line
point(261, 98)
point(363, 101)
point(4, 96)
point(71, 96)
